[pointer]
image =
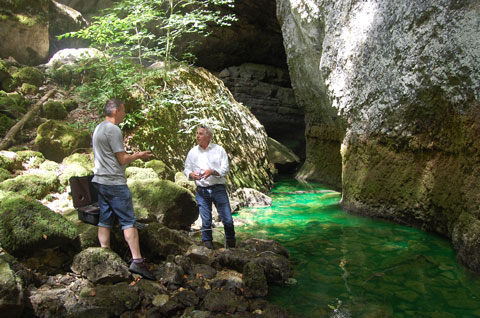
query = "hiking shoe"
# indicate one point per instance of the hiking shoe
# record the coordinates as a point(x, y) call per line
point(208, 244)
point(141, 269)
point(231, 243)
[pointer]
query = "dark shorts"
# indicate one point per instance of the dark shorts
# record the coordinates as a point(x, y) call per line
point(115, 201)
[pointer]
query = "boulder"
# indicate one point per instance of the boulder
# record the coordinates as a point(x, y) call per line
point(100, 265)
point(248, 197)
point(27, 225)
point(24, 31)
point(57, 141)
point(138, 174)
point(33, 185)
point(11, 289)
point(158, 242)
point(254, 280)
point(54, 110)
point(222, 301)
point(170, 204)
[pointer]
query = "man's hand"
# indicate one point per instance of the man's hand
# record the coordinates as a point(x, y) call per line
point(209, 172)
point(145, 154)
point(195, 175)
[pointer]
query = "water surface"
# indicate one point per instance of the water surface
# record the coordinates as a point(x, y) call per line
point(351, 266)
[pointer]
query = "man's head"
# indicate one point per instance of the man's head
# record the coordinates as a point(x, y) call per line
point(204, 135)
point(115, 110)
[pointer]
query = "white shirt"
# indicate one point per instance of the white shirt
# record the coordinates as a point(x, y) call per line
point(213, 157)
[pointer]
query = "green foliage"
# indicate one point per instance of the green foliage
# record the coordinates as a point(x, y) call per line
point(5, 124)
point(30, 75)
point(148, 29)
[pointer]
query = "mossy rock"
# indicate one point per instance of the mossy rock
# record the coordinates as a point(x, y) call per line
point(13, 105)
point(137, 163)
point(30, 75)
point(8, 161)
point(11, 289)
point(158, 241)
point(54, 110)
point(9, 84)
point(73, 170)
point(5, 124)
point(5, 174)
point(28, 89)
point(181, 180)
point(49, 165)
point(160, 168)
point(173, 206)
point(70, 104)
point(134, 173)
point(56, 140)
point(4, 73)
point(36, 185)
point(30, 157)
point(27, 225)
point(83, 159)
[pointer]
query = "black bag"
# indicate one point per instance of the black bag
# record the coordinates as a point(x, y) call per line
point(85, 199)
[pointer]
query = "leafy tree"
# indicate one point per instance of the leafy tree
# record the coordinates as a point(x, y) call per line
point(148, 29)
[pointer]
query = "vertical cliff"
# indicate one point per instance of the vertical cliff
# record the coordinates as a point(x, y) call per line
point(397, 84)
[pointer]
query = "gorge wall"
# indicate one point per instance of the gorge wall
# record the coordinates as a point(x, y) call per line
point(394, 87)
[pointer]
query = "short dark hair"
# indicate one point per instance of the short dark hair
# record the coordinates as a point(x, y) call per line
point(111, 105)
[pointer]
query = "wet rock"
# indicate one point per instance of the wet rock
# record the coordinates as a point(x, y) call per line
point(170, 274)
point(203, 271)
point(100, 265)
point(222, 301)
point(248, 197)
point(228, 280)
point(261, 246)
point(158, 241)
point(200, 254)
point(254, 280)
point(187, 298)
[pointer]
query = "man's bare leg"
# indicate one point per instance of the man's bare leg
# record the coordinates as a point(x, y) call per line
point(131, 236)
point(104, 236)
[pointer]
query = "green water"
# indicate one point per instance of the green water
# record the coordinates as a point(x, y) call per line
point(351, 266)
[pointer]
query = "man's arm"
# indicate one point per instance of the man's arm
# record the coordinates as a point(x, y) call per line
point(125, 158)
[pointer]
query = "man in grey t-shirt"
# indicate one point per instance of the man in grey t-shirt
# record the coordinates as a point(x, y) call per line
point(114, 197)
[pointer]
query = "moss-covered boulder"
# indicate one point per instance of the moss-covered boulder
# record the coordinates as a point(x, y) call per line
point(8, 161)
point(158, 241)
point(27, 225)
point(181, 180)
point(5, 124)
point(56, 140)
point(33, 185)
point(134, 173)
point(54, 110)
point(49, 165)
point(5, 174)
point(100, 265)
point(70, 104)
point(30, 158)
point(11, 289)
point(170, 204)
point(13, 105)
point(28, 89)
point(76, 165)
point(162, 170)
point(30, 75)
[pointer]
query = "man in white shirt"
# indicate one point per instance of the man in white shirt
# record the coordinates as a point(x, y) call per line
point(207, 164)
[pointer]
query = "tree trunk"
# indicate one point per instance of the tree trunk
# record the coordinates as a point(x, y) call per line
point(10, 136)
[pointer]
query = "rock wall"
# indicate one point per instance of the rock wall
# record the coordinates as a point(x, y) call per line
point(397, 83)
point(267, 93)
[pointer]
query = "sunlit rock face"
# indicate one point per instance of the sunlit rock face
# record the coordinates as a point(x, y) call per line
point(402, 78)
point(24, 31)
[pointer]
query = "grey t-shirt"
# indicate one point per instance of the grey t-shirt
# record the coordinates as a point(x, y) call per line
point(108, 140)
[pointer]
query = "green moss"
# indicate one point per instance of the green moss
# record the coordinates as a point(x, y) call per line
point(137, 163)
point(28, 89)
point(9, 84)
point(26, 224)
point(70, 105)
point(14, 105)
point(32, 158)
point(5, 174)
point(54, 110)
point(9, 162)
point(49, 165)
point(83, 159)
point(74, 170)
point(4, 74)
point(5, 124)
point(56, 141)
point(134, 173)
point(30, 75)
point(32, 185)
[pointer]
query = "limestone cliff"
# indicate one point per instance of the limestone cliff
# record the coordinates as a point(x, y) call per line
point(397, 85)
